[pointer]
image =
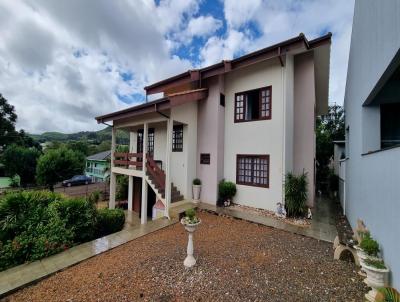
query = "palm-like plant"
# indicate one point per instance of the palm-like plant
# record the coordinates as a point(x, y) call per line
point(295, 194)
point(388, 294)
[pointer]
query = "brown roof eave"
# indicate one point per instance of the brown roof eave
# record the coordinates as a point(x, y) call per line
point(218, 68)
point(149, 107)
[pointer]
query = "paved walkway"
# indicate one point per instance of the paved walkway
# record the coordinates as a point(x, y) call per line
point(25, 274)
point(322, 226)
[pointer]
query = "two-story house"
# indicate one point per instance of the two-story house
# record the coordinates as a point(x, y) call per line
point(98, 166)
point(249, 120)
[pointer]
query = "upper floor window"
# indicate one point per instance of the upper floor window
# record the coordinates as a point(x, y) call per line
point(253, 105)
point(177, 138)
point(252, 170)
point(150, 141)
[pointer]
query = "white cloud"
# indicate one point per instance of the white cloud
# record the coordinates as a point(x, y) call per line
point(52, 89)
point(62, 62)
point(279, 20)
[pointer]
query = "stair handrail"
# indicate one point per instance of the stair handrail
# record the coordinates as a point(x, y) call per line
point(155, 171)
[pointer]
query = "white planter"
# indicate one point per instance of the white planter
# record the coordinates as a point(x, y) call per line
point(190, 261)
point(196, 190)
point(376, 278)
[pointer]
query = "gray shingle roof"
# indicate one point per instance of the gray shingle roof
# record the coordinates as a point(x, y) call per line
point(99, 156)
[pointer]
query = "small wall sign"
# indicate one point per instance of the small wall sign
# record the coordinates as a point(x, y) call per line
point(205, 158)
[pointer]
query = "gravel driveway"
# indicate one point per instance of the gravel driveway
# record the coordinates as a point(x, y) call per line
point(237, 261)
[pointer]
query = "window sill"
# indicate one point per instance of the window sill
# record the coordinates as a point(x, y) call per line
point(253, 185)
point(380, 150)
point(257, 120)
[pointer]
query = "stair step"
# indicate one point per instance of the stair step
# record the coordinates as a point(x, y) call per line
point(177, 198)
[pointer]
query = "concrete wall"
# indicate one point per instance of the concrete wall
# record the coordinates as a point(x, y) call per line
point(210, 140)
point(372, 181)
point(304, 120)
point(256, 137)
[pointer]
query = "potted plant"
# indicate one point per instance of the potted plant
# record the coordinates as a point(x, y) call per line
point(190, 221)
point(196, 189)
point(226, 190)
point(376, 276)
point(368, 248)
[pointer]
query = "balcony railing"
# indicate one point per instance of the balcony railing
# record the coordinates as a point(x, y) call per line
point(126, 160)
point(95, 171)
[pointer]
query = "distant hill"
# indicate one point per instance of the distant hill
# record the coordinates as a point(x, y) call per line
point(92, 136)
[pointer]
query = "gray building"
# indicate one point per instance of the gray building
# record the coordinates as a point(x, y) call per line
point(372, 104)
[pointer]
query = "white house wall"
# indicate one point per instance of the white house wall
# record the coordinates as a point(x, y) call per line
point(256, 137)
point(183, 164)
point(372, 181)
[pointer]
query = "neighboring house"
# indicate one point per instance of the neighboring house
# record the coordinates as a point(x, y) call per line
point(249, 120)
point(339, 153)
point(372, 105)
point(98, 166)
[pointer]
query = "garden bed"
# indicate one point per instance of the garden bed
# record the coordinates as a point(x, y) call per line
point(302, 222)
point(237, 261)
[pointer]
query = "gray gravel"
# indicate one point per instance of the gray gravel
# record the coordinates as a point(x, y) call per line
point(237, 261)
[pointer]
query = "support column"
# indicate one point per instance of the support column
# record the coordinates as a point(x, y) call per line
point(170, 123)
point(113, 177)
point(143, 219)
point(130, 194)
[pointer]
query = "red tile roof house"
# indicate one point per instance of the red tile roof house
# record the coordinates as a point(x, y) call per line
point(249, 120)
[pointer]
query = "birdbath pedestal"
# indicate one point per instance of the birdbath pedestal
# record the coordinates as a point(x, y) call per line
point(190, 261)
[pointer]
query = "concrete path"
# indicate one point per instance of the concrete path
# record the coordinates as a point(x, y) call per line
point(322, 227)
point(25, 274)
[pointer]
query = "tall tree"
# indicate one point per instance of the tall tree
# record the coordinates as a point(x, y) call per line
point(19, 160)
point(57, 165)
point(8, 118)
point(329, 128)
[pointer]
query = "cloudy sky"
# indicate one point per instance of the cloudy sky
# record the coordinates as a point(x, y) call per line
point(64, 62)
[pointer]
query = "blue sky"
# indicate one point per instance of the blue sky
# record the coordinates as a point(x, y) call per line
point(64, 62)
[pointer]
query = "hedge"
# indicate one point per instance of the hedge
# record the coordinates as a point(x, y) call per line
point(37, 224)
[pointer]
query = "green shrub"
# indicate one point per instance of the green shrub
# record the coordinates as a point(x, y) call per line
point(226, 189)
point(109, 221)
point(30, 229)
point(369, 245)
point(94, 197)
point(295, 194)
point(197, 182)
point(80, 217)
point(122, 187)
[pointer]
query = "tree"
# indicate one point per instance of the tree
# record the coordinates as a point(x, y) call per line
point(329, 128)
point(57, 165)
point(19, 160)
point(8, 118)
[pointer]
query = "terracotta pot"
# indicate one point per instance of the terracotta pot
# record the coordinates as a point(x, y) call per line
point(196, 190)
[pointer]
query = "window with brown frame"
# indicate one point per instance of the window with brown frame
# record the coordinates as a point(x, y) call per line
point(150, 141)
point(252, 170)
point(177, 138)
point(253, 105)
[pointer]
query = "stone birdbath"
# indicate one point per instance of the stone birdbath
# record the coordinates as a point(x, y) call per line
point(190, 222)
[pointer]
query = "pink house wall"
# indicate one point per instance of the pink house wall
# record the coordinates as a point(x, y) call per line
point(210, 140)
point(304, 120)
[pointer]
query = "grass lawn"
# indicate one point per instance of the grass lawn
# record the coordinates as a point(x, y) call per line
point(5, 182)
point(237, 261)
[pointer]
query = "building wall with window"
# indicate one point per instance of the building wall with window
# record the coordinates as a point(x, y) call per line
point(183, 164)
point(372, 178)
point(259, 137)
point(210, 140)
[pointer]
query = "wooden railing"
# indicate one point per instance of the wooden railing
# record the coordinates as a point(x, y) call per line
point(155, 171)
point(124, 159)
